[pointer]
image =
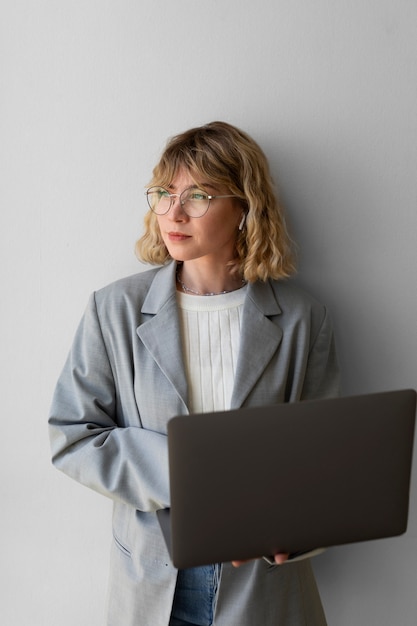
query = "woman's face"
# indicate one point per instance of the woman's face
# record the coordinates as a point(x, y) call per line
point(211, 236)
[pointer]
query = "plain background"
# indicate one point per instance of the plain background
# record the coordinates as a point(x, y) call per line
point(89, 92)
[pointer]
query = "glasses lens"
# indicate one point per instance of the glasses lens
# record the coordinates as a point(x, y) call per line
point(159, 200)
point(195, 202)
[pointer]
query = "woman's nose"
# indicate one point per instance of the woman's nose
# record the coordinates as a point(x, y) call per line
point(177, 211)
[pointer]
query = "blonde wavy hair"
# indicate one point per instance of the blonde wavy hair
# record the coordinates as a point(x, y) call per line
point(223, 154)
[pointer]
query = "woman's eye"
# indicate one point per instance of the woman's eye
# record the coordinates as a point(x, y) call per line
point(198, 195)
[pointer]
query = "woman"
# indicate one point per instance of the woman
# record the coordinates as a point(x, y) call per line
point(215, 326)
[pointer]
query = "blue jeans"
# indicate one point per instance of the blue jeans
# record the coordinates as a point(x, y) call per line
point(195, 596)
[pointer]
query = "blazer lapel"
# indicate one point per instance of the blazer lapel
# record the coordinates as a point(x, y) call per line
point(161, 333)
point(260, 339)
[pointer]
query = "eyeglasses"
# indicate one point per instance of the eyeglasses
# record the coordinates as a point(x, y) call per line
point(194, 202)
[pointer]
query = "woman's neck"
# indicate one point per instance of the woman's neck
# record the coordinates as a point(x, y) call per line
point(202, 281)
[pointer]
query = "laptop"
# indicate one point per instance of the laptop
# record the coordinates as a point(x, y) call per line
point(288, 478)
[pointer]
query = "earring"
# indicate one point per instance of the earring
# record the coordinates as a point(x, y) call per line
point(242, 222)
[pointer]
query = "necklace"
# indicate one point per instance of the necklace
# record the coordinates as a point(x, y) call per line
point(210, 293)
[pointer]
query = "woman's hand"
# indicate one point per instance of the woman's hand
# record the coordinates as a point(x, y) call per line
point(279, 558)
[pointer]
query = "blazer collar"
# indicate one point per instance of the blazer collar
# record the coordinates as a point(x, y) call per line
point(161, 334)
point(161, 291)
point(163, 288)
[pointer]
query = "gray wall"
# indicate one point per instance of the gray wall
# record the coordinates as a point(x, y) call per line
point(89, 92)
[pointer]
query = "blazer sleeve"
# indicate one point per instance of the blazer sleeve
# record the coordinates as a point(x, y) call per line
point(129, 464)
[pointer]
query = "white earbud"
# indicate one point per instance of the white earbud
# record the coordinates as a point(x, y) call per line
point(242, 222)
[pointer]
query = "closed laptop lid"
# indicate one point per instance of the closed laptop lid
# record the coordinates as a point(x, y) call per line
point(288, 477)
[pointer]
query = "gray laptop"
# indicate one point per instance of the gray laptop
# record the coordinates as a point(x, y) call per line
point(288, 478)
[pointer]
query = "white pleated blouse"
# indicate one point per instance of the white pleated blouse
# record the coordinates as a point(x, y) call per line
point(211, 336)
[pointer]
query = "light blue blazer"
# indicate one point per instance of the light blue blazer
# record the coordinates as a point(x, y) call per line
point(124, 379)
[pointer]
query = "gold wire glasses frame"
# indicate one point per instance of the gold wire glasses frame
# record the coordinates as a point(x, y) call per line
point(194, 202)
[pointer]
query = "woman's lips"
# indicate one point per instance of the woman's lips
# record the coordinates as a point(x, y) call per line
point(176, 236)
